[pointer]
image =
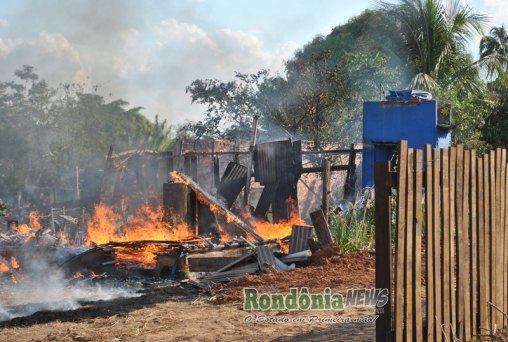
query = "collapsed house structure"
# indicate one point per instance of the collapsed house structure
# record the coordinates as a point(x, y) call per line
point(158, 213)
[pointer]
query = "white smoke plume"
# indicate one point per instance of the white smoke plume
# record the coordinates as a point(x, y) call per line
point(45, 287)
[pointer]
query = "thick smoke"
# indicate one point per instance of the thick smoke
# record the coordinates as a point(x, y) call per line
point(45, 287)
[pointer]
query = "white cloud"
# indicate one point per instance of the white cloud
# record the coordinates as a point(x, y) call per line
point(223, 51)
point(149, 66)
point(170, 31)
point(498, 9)
point(53, 56)
point(184, 52)
point(7, 46)
point(58, 45)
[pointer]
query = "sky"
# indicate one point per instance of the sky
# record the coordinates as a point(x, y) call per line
point(147, 52)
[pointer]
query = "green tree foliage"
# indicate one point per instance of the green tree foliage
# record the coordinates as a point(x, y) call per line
point(46, 132)
point(496, 125)
point(322, 100)
point(435, 35)
point(319, 96)
point(470, 112)
point(316, 91)
point(494, 51)
point(230, 106)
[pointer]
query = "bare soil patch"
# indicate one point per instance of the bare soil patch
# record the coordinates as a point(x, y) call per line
point(176, 313)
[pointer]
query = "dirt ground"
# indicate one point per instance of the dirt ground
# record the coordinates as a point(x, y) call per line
point(183, 313)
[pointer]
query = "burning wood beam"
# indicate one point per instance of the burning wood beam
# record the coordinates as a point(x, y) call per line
point(215, 205)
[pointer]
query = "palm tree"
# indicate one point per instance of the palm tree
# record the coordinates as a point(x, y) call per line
point(494, 51)
point(435, 35)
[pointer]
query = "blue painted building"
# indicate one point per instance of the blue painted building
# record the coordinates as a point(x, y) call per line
point(385, 123)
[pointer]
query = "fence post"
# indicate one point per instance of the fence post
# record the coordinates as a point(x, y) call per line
point(383, 246)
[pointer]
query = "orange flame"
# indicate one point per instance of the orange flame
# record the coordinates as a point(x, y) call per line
point(102, 227)
point(145, 255)
point(78, 275)
point(281, 229)
point(14, 262)
point(176, 176)
point(146, 224)
point(27, 231)
point(34, 218)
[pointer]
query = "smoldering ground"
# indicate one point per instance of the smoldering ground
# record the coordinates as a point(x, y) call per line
point(39, 285)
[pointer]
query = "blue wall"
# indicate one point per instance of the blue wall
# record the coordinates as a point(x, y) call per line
point(386, 123)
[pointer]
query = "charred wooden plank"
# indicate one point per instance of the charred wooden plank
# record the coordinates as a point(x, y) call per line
point(175, 199)
point(321, 226)
point(218, 207)
point(326, 187)
point(281, 209)
point(383, 246)
point(235, 262)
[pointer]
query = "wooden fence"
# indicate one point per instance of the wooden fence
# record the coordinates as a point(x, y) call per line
point(448, 272)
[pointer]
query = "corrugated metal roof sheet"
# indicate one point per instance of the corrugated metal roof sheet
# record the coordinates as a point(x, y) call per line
point(232, 182)
point(299, 238)
point(272, 161)
point(277, 160)
point(266, 259)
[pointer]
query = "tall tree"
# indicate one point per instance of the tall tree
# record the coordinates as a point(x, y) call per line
point(230, 105)
point(318, 90)
point(494, 51)
point(435, 35)
point(496, 125)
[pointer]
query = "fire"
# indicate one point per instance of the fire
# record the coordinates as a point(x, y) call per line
point(12, 266)
point(14, 262)
point(225, 236)
point(145, 254)
point(27, 231)
point(281, 229)
point(276, 230)
point(78, 275)
point(62, 238)
point(176, 176)
point(34, 218)
point(214, 208)
point(102, 227)
point(146, 224)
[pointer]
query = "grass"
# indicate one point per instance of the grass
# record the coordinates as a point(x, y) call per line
point(353, 229)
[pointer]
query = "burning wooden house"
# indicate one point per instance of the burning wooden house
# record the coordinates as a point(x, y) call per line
point(162, 212)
